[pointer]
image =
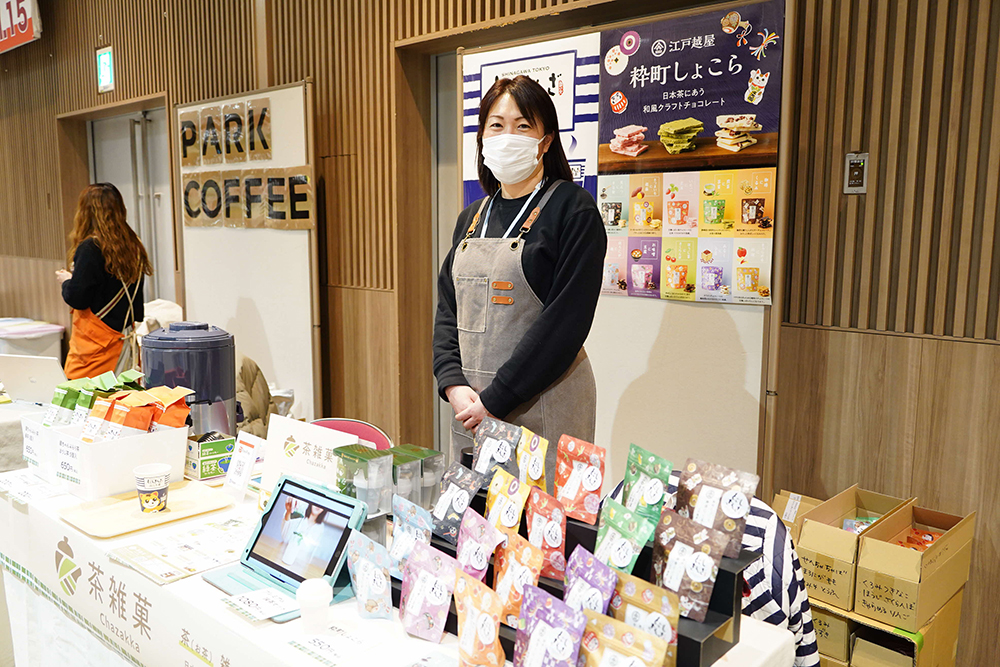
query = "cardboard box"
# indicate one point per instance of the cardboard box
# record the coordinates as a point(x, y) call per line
point(829, 553)
point(903, 587)
point(208, 467)
point(934, 645)
point(827, 661)
point(202, 450)
point(833, 633)
point(871, 654)
point(789, 506)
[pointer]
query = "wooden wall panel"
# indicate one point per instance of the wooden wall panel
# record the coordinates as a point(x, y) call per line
point(904, 415)
point(916, 84)
point(28, 288)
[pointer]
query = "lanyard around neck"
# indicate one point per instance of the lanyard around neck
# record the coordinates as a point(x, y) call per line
point(486, 220)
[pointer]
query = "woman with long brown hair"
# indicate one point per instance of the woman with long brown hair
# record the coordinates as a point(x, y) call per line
point(105, 287)
point(517, 292)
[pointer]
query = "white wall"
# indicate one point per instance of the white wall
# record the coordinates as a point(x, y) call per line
point(679, 379)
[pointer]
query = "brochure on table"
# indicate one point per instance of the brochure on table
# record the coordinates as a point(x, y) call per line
point(301, 450)
point(679, 119)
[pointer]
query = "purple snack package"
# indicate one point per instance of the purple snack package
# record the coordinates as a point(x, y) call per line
point(477, 540)
point(428, 582)
point(549, 631)
point(589, 582)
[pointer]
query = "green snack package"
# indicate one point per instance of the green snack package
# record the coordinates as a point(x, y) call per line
point(84, 401)
point(646, 480)
point(130, 379)
point(621, 536)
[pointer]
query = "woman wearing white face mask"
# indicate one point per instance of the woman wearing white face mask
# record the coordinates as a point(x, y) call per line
point(517, 292)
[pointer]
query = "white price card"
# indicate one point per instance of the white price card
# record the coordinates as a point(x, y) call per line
point(241, 465)
point(262, 604)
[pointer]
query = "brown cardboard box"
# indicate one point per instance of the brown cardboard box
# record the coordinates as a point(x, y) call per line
point(869, 654)
point(903, 587)
point(935, 645)
point(828, 553)
point(789, 506)
point(827, 661)
point(833, 633)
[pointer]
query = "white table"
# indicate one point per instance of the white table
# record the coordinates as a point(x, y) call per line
point(50, 626)
point(10, 433)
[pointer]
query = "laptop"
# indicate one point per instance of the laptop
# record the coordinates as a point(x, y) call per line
point(301, 535)
point(31, 379)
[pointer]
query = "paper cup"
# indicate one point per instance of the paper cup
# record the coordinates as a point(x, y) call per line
point(151, 482)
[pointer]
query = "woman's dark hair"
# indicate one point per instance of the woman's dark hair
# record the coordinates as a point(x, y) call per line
point(537, 107)
point(319, 517)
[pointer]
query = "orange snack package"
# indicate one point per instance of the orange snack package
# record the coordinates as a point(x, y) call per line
point(479, 610)
point(579, 478)
point(518, 564)
point(173, 410)
point(547, 531)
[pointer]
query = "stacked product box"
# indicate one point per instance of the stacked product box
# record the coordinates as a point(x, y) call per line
point(366, 474)
point(208, 456)
point(406, 475)
point(432, 465)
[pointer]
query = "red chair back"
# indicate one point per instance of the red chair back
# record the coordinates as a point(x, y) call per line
point(363, 430)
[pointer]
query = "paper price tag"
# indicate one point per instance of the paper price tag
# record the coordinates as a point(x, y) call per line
point(262, 603)
point(241, 465)
point(68, 460)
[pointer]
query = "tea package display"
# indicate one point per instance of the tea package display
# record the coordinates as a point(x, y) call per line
point(505, 501)
point(101, 386)
point(368, 563)
point(495, 444)
point(579, 477)
point(458, 485)
point(531, 450)
point(621, 536)
point(517, 565)
point(479, 611)
point(477, 540)
point(646, 480)
point(717, 497)
point(173, 410)
point(608, 642)
point(547, 531)
point(549, 631)
point(649, 608)
point(589, 582)
point(132, 415)
point(428, 582)
point(686, 558)
point(410, 524)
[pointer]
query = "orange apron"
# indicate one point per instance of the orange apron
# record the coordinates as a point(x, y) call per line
point(94, 347)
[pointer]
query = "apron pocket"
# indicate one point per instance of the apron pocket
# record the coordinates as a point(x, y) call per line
point(471, 294)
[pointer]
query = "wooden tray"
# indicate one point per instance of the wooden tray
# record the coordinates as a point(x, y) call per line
point(707, 155)
point(117, 515)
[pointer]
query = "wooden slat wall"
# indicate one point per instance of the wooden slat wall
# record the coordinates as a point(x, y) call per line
point(915, 83)
point(903, 415)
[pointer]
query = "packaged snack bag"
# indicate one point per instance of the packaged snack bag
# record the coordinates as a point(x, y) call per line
point(99, 387)
point(548, 631)
point(100, 417)
point(686, 558)
point(494, 447)
point(411, 523)
point(579, 477)
point(477, 540)
point(717, 497)
point(589, 582)
point(368, 563)
point(138, 408)
point(649, 608)
point(428, 582)
point(607, 642)
point(517, 565)
point(505, 501)
point(173, 410)
point(646, 480)
point(458, 485)
point(531, 451)
point(621, 536)
point(63, 406)
point(479, 611)
point(130, 379)
point(547, 531)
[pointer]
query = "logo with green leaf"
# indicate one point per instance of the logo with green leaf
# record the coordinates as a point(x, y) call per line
point(66, 568)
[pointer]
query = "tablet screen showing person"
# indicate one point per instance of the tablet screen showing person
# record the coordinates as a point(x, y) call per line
point(303, 533)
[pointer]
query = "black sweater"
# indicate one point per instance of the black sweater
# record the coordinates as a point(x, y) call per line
point(563, 257)
point(93, 287)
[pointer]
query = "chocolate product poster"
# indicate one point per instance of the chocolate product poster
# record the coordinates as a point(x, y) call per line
point(681, 195)
point(692, 93)
point(613, 280)
point(714, 276)
point(613, 203)
point(680, 269)
point(752, 271)
point(569, 70)
point(643, 267)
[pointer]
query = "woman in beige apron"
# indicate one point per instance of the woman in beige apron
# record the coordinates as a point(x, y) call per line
point(518, 290)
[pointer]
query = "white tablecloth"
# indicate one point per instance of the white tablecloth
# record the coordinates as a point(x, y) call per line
point(10, 433)
point(49, 624)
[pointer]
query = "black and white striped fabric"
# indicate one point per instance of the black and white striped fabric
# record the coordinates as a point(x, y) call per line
point(777, 588)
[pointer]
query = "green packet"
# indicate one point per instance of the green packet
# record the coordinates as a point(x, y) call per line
point(647, 477)
point(130, 379)
point(621, 536)
point(60, 411)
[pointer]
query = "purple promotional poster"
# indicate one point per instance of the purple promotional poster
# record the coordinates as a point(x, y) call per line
point(644, 266)
point(692, 93)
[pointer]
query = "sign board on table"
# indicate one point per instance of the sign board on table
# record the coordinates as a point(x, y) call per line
point(20, 23)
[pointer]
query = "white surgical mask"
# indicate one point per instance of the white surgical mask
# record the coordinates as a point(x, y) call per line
point(511, 157)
